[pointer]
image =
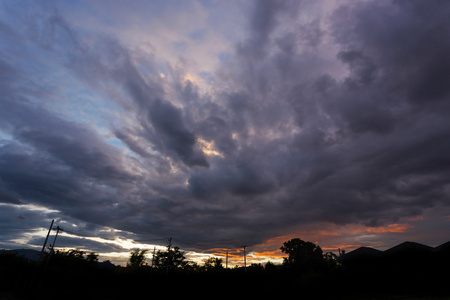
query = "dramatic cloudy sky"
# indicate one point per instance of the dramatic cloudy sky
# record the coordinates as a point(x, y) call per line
point(224, 123)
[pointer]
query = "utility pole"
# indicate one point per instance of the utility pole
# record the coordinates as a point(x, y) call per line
point(153, 258)
point(41, 255)
point(45, 243)
point(226, 261)
point(169, 240)
point(245, 260)
point(52, 246)
point(58, 229)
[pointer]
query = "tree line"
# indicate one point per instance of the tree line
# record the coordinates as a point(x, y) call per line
point(305, 267)
point(64, 270)
point(302, 256)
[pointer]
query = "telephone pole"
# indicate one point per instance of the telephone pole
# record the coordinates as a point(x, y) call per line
point(41, 257)
point(169, 241)
point(153, 258)
point(226, 261)
point(245, 260)
point(45, 243)
point(58, 229)
point(52, 246)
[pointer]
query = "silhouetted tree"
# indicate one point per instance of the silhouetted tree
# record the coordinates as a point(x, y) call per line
point(270, 266)
point(92, 257)
point(256, 267)
point(192, 267)
point(137, 258)
point(174, 259)
point(73, 258)
point(302, 255)
point(213, 264)
point(332, 260)
point(75, 253)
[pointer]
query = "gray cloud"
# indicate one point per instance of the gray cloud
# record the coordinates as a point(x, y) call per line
point(172, 133)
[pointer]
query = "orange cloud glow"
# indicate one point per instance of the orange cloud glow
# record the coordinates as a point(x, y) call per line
point(397, 228)
point(331, 237)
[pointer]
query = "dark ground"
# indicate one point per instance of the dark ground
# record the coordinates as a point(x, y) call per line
point(71, 279)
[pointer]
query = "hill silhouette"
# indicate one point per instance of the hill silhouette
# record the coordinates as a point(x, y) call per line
point(29, 254)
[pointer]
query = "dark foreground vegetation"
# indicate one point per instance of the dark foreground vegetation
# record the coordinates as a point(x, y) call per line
point(306, 273)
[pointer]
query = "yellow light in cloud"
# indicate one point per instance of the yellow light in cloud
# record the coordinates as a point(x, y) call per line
point(208, 147)
point(191, 78)
point(199, 82)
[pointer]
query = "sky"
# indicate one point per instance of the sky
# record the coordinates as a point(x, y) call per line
point(221, 124)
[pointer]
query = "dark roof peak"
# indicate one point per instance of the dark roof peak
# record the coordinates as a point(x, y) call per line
point(408, 247)
point(443, 247)
point(362, 252)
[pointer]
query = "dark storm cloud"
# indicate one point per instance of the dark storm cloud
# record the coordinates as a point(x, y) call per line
point(241, 178)
point(409, 43)
point(371, 147)
point(395, 167)
point(50, 161)
point(67, 143)
point(67, 165)
point(262, 22)
point(100, 61)
point(339, 118)
point(171, 132)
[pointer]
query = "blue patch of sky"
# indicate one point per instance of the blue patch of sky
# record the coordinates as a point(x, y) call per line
point(116, 142)
point(76, 102)
point(63, 93)
point(162, 68)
